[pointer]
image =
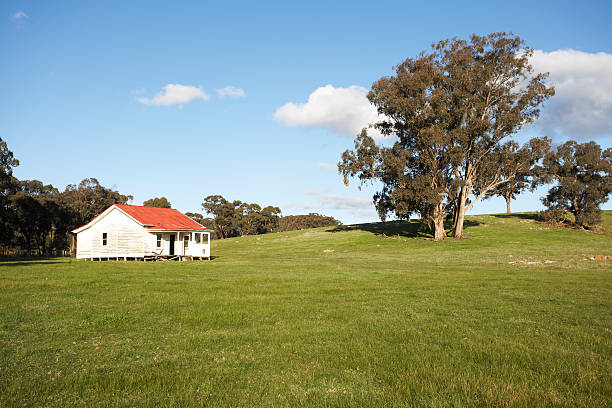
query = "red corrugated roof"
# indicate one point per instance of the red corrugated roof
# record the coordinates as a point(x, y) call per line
point(161, 218)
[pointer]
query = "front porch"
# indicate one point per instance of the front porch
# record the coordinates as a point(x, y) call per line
point(179, 245)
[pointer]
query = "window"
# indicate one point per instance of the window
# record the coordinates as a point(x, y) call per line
point(197, 238)
point(159, 240)
point(186, 240)
point(104, 238)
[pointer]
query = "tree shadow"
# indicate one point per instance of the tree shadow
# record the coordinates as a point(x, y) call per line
point(26, 262)
point(522, 216)
point(407, 229)
point(468, 223)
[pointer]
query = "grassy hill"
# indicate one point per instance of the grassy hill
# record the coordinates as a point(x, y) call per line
point(367, 315)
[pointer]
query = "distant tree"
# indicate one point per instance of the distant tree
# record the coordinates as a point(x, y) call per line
point(31, 213)
point(161, 202)
point(223, 213)
point(516, 166)
point(237, 218)
point(449, 109)
point(36, 213)
point(249, 218)
point(89, 199)
point(37, 217)
point(200, 219)
point(312, 220)
point(270, 217)
point(7, 162)
point(583, 180)
point(197, 217)
point(8, 186)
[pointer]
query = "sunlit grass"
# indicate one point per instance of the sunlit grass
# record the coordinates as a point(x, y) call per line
point(367, 316)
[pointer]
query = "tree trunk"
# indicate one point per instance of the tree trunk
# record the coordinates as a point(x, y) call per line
point(455, 212)
point(439, 233)
point(508, 200)
point(438, 224)
point(458, 227)
point(43, 245)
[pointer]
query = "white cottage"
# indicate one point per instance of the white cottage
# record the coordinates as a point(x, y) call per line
point(136, 232)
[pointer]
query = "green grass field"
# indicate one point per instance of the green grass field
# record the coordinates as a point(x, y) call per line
point(372, 315)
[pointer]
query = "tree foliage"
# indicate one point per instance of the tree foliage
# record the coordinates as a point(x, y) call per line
point(7, 162)
point(582, 174)
point(305, 221)
point(8, 186)
point(448, 110)
point(160, 202)
point(517, 168)
point(88, 199)
point(38, 218)
point(236, 218)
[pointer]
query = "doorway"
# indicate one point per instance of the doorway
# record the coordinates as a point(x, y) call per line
point(172, 238)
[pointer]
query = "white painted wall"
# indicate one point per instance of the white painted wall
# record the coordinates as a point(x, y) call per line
point(83, 244)
point(124, 238)
point(198, 249)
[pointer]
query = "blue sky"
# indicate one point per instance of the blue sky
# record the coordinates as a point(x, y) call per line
point(80, 80)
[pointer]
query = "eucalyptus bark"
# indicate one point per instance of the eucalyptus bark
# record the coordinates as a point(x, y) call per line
point(508, 200)
point(438, 224)
point(458, 227)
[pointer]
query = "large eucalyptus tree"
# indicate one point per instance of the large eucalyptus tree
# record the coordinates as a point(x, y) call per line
point(448, 110)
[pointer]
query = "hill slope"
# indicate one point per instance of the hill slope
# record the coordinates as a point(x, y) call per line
point(370, 315)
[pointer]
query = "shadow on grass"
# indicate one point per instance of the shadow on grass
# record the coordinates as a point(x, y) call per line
point(522, 216)
point(408, 229)
point(30, 261)
point(25, 262)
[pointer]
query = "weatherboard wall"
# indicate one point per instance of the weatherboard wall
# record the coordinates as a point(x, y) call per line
point(124, 238)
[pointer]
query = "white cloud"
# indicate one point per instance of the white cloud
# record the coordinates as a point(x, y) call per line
point(343, 110)
point(352, 209)
point(231, 92)
point(341, 202)
point(19, 15)
point(582, 105)
point(327, 166)
point(581, 108)
point(175, 94)
point(331, 201)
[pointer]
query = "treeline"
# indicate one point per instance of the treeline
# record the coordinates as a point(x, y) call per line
point(312, 220)
point(237, 218)
point(36, 218)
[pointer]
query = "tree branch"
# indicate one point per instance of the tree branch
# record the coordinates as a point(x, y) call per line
point(489, 188)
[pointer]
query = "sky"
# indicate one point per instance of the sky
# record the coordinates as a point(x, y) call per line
point(256, 101)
